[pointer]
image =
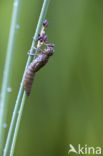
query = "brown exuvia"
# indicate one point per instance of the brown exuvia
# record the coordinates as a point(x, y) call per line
point(35, 65)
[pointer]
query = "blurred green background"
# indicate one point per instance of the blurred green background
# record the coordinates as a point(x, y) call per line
point(66, 103)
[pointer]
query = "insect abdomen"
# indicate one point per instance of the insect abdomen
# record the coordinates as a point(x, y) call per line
point(29, 77)
point(32, 69)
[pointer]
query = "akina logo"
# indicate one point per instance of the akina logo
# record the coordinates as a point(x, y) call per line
point(84, 149)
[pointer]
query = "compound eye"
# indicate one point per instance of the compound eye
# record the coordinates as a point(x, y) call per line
point(50, 49)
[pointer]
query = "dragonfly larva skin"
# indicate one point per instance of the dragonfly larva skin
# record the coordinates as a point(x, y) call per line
point(35, 66)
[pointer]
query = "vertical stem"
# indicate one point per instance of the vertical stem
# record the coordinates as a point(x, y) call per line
point(7, 71)
point(14, 126)
point(17, 125)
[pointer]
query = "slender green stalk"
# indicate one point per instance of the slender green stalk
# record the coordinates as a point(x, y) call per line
point(7, 71)
point(17, 125)
point(13, 130)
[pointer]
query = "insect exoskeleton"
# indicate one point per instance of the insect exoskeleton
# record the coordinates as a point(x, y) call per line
point(36, 65)
point(40, 60)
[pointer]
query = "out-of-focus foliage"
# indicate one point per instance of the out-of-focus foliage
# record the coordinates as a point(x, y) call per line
point(66, 103)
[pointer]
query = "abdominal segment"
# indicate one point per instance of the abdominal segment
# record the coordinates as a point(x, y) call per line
point(29, 78)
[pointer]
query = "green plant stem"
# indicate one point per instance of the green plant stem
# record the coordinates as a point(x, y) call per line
point(12, 134)
point(17, 125)
point(7, 71)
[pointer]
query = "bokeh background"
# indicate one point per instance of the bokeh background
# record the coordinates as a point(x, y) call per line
point(66, 103)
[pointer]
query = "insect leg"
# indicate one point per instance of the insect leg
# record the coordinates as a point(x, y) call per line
point(49, 44)
point(37, 49)
point(32, 54)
